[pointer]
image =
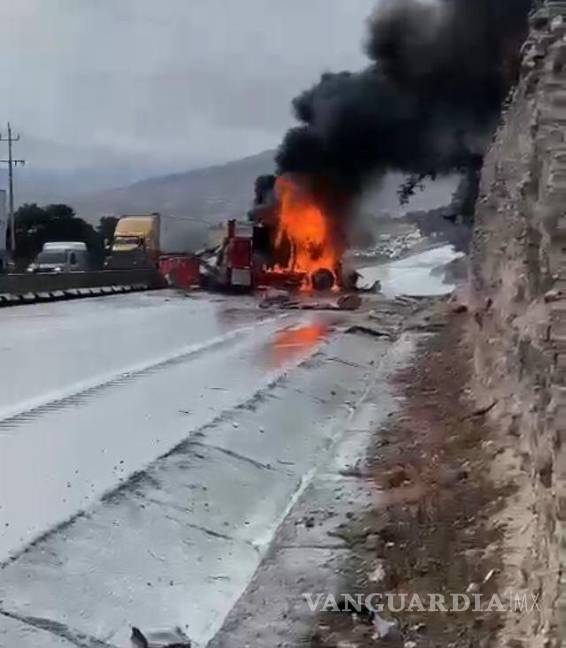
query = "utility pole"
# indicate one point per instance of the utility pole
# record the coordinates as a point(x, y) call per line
point(11, 162)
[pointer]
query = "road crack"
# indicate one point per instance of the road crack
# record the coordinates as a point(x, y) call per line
point(60, 630)
point(234, 455)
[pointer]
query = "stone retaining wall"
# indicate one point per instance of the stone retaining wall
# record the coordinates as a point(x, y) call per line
point(518, 284)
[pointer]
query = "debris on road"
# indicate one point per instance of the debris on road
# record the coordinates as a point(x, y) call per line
point(349, 302)
point(459, 309)
point(274, 297)
point(372, 288)
point(387, 630)
point(366, 330)
point(295, 301)
point(175, 639)
point(378, 574)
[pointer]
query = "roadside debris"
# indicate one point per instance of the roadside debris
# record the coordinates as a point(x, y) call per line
point(481, 411)
point(349, 302)
point(274, 297)
point(388, 630)
point(374, 288)
point(475, 588)
point(459, 309)
point(553, 296)
point(353, 280)
point(366, 330)
point(378, 574)
point(175, 639)
point(285, 300)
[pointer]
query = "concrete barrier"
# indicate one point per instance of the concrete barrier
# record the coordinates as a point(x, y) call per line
point(30, 288)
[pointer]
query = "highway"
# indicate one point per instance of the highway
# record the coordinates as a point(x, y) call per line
point(151, 445)
point(154, 438)
point(94, 391)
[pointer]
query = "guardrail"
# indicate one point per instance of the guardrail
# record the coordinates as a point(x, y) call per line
point(30, 288)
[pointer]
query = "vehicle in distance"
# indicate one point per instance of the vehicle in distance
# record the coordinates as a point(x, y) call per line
point(140, 241)
point(61, 256)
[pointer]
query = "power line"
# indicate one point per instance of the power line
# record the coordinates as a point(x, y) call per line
point(12, 163)
point(191, 219)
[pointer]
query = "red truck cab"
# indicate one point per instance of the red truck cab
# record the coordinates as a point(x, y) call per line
point(235, 260)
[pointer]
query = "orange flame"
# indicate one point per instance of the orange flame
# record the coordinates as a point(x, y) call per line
point(293, 342)
point(306, 230)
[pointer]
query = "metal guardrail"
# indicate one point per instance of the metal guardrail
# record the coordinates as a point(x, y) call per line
point(30, 288)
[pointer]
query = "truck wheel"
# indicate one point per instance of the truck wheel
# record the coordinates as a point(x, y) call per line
point(322, 279)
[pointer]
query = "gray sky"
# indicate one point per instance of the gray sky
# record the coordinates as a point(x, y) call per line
point(165, 84)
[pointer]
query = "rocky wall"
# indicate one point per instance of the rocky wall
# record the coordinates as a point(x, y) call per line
point(518, 295)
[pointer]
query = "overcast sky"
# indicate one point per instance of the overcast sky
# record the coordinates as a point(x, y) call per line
point(165, 83)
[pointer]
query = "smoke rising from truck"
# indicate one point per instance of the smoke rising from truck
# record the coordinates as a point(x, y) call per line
point(427, 104)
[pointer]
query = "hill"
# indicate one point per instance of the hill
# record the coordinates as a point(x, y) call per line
point(211, 195)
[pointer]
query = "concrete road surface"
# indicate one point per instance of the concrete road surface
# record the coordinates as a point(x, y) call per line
point(94, 391)
point(150, 447)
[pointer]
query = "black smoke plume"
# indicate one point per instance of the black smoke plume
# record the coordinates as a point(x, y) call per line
point(427, 104)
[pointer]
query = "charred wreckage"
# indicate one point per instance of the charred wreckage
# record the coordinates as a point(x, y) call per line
point(427, 104)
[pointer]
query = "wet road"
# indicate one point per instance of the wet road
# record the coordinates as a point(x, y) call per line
point(150, 447)
point(94, 391)
point(177, 436)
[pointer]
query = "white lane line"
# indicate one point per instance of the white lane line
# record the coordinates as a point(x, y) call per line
point(52, 398)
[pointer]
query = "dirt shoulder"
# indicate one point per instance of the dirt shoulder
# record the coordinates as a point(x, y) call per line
point(433, 528)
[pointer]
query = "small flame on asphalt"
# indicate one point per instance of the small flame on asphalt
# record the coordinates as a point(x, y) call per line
point(291, 343)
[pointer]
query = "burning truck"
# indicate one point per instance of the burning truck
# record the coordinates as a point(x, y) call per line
point(422, 107)
point(290, 240)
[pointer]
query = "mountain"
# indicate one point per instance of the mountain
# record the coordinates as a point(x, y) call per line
point(210, 195)
point(206, 196)
point(214, 194)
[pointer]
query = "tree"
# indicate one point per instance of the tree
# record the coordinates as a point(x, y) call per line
point(107, 227)
point(38, 225)
point(59, 212)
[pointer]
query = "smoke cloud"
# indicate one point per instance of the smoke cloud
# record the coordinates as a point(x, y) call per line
point(428, 102)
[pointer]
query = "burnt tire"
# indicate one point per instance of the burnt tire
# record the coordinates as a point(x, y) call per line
point(322, 279)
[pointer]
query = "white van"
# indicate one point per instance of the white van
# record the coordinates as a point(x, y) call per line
point(64, 256)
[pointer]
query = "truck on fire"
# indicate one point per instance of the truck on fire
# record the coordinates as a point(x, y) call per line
point(288, 241)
